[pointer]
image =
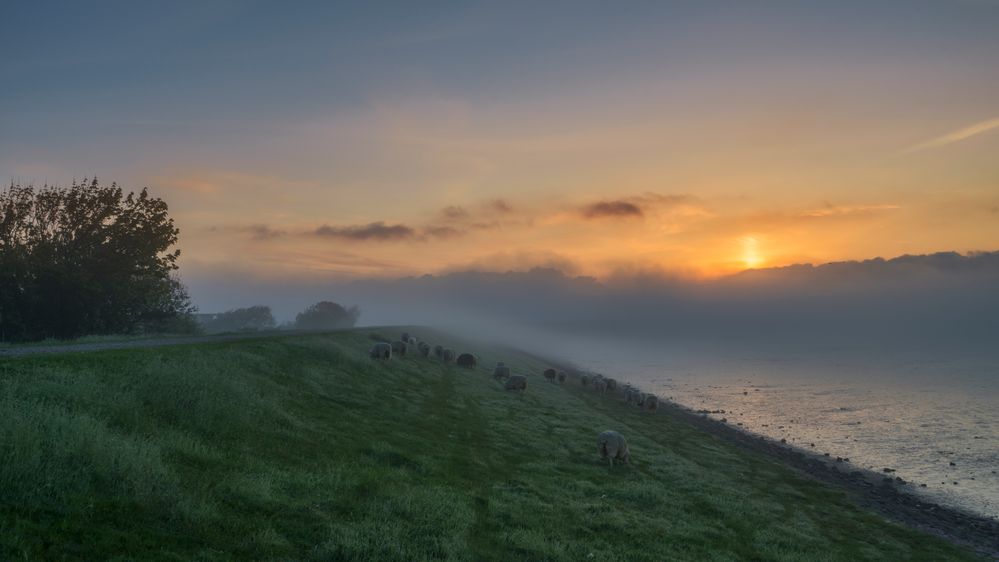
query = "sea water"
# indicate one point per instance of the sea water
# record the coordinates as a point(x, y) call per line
point(930, 417)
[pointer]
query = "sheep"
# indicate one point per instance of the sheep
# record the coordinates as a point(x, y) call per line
point(381, 350)
point(467, 360)
point(612, 445)
point(611, 385)
point(516, 382)
point(399, 348)
point(640, 399)
point(405, 337)
point(412, 341)
point(447, 355)
point(600, 385)
point(652, 403)
point(584, 380)
point(550, 375)
point(424, 348)
point(439, 352)
point(501, 371)
point(629, 395)
point(561, 377)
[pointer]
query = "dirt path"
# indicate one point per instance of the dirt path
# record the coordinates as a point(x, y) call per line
point(22, 351)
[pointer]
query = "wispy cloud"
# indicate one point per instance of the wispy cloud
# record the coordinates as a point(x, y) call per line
point(443, 232)
point(262, 231)
point(499, 206)
point(956, 136)
point(382, 232)
point(830, 210)
point(454, 213)
point(612, 209)
point(374, 231)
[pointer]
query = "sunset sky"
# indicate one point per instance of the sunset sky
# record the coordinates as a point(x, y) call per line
point(372, 139)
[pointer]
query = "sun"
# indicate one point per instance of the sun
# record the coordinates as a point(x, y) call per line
point(751, 252)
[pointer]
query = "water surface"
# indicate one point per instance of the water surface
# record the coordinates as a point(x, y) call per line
point(932, 417)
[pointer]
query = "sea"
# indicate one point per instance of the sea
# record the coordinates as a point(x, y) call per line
point(930, 416)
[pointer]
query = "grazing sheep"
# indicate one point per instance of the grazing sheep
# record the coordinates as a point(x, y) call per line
point(381, 350)
point(652, 402)
point(399, 348)
point(405, 337)
point(584, 380)
point(501, 371)
point(516, 382)
point(550, 375)
point(629, 395)
point(467, 360)
point(439, 352)
point(612, 445)
point(447, 355)
point(611, 385)
point(640, 399)
point(600, 385)
point(424, 348)
point(412, 341)
point(561, 377)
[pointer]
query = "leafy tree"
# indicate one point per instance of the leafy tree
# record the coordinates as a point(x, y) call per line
point(239, 320)
point(327, 315)
point(87, 259)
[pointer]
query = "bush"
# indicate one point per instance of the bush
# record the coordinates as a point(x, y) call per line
point(327, 315)
point(249, 319)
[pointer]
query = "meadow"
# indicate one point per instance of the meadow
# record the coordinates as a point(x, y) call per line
point(300, 447)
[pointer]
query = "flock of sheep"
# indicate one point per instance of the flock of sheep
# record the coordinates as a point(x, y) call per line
point(611, 444)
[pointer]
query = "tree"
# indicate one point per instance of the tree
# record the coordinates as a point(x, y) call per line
point(87, 259)
point(240, 320)
point(327, 315)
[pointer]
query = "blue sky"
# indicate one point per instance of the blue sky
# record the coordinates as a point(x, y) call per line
point(295, 116)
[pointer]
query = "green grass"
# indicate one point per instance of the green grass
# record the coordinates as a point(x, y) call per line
point(302, 448)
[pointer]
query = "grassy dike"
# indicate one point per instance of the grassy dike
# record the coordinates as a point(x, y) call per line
point(301, 447)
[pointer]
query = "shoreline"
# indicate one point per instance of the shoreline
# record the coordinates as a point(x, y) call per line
point(870, 490)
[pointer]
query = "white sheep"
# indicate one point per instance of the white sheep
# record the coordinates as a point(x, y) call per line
point(612, 445)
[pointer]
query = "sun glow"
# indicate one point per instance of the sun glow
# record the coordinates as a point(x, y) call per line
point(751, 252)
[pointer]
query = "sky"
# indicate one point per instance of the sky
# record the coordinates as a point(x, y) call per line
point(339, 140)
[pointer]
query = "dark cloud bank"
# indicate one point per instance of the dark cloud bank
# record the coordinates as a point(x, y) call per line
point(944, 299)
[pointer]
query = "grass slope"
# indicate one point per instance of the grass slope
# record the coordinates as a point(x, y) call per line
point(302, 448)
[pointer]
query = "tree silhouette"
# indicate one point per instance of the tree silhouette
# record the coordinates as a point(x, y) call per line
point(87, 259)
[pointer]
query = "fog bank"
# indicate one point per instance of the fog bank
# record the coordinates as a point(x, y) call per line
point(939, 300)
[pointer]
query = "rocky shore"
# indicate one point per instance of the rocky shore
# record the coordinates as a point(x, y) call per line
point(878, 491)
